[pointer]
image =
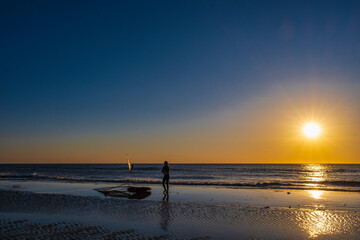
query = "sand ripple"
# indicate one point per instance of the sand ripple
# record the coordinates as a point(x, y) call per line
point(25, 229)
point(221, 221)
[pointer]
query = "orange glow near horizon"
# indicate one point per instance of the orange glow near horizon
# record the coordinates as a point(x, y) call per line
point(266, 129)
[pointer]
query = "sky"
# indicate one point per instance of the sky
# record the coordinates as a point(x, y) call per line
point(182, 81)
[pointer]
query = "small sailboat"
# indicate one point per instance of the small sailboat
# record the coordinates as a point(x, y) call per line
point(131, 166)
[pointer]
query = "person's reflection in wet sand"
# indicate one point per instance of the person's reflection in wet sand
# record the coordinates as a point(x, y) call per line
point(165, 212)
point(166, 197)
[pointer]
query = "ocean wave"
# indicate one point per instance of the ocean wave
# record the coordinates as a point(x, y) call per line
point(328, 185)
point(296, 171)
point(342, 183)
point(5, 174)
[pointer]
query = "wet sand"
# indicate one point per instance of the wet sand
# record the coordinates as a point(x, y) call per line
point(62, 216)
point(26, 229)
point(309, 199)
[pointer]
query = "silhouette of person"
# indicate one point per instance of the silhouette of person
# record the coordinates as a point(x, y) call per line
point(165, 181)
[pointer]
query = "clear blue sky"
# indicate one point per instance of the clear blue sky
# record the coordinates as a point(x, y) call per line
point(66, 65)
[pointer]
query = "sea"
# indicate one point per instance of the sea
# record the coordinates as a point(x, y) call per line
point(334, 177)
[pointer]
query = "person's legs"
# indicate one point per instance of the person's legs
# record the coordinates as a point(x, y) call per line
point(163, 183)
point(167, 185)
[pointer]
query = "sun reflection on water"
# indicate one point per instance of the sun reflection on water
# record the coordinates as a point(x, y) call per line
point(320, 222)
point(315, 174)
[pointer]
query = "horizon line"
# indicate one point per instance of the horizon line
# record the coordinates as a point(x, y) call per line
point(125, 163)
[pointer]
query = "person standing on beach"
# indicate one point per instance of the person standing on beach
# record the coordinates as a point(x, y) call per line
point(166, 177)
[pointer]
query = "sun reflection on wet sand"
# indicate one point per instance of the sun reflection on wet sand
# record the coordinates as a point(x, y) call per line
point(323, 223)
point(318, 222)
point(316, 193)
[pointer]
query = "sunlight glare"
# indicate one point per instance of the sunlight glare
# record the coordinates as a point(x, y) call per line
point(316, 193)
point(311, 130)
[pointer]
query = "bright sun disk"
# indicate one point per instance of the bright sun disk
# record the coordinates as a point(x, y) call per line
point(311, 130)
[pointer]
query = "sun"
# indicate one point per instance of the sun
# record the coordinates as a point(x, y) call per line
point(311, 130)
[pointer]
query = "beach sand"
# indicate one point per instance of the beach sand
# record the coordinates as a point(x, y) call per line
point(30, 215)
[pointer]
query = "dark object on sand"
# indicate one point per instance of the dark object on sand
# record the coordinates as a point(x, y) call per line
point(130, 192)
point(138, 189)
point(288, 192)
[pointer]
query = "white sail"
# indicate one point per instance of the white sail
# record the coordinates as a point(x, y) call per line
point(129, 164)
